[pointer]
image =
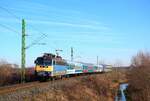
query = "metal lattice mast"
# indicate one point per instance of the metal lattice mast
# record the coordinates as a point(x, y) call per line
point(23, 52)
point(71, 54)
point(97, 61)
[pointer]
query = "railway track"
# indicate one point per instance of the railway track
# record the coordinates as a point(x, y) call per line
point(16, 87)
point(25, 86)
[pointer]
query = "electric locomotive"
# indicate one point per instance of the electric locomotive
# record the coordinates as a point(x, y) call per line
point(50, 66)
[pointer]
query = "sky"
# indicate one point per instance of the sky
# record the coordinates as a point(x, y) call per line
point(113, 30)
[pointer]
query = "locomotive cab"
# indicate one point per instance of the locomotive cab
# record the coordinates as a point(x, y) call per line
point(44, 66)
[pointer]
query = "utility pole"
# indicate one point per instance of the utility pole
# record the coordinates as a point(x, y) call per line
point(71, 54)
point(23, 53)
point(23, 50)
point(97, 61)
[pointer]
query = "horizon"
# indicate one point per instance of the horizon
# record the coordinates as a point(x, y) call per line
point(113, 30)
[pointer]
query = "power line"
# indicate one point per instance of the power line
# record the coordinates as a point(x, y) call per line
point(8, 28)
point(37, 30)
point(36, 41)
point(39, 38)
point(4, 9)
point(18, 18)
point(11, 29)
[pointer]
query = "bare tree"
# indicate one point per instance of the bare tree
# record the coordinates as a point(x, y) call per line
point(139, 77)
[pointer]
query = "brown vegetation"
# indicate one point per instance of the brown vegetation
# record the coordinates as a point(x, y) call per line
point(95, 87)
point(10, 74)
point(139, 78)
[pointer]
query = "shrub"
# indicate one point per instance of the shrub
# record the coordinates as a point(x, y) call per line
point(139, 77)
point(8, 74)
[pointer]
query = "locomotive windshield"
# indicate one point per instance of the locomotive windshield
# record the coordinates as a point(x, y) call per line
point(47, 62)
point(39, 61)
point(42, 61)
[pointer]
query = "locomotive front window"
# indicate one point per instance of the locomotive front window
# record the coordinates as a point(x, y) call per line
point(43, 62)
point(47, 62)
point(39, 61)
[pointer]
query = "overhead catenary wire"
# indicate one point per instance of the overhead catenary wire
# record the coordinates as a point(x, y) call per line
point(36, 41)
point(6, 10)
point(9, 28)
point(19, 18)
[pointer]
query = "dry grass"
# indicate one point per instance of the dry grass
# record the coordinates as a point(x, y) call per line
point(69, 92)
point(86, 88)
point(95, 87)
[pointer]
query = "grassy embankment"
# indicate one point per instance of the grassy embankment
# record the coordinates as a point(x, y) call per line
point(100, 87)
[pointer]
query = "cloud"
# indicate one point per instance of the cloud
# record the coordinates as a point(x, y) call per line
point(55, 16)
point(79, 25)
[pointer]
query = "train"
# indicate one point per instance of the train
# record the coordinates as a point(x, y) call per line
point(51, 66)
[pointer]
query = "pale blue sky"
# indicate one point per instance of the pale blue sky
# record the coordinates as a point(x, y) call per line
point(111, 29)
